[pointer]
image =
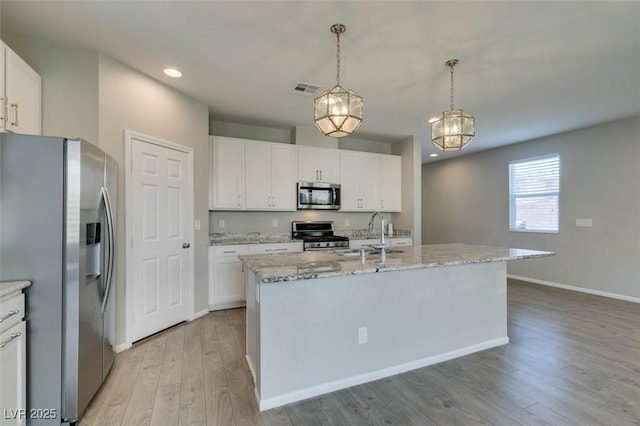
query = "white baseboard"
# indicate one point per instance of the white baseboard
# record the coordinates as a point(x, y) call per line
point(277, 401)
point(122, 347)
point(199, 314)
point(578, 289)
point(230, 305)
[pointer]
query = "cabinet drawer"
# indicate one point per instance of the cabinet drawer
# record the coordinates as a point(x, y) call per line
point(232, 250)
point(275, 248)
point(399, 242)
point(11, 311)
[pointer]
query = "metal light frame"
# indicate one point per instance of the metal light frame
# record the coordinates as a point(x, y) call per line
point(338, 111)
point(454, 129)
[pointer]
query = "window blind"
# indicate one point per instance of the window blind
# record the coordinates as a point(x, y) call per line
point(534, 190)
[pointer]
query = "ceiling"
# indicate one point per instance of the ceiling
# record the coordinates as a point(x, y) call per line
point(527, 69)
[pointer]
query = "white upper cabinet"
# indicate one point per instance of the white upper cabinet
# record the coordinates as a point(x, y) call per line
point(390, 183)
point(360, 175)
point(270, 176)
point(226, 173)
point(318, 164)
point(20, 92)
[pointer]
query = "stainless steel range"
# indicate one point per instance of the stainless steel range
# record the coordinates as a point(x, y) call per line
point(318, 236)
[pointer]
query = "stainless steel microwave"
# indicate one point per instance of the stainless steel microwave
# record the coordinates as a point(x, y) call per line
point(318, 196)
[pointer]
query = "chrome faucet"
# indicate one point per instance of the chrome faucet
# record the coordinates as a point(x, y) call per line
point(381, 227)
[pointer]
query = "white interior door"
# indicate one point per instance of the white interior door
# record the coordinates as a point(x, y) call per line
point(160, 270)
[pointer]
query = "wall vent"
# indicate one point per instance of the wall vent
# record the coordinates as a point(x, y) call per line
point(306, 89)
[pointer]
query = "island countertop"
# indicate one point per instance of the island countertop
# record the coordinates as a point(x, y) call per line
point(275, 268)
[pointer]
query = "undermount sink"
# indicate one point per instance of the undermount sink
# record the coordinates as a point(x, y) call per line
point(367, 251)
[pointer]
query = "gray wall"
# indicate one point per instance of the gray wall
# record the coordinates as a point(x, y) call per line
point(69, 86)
point(95, 97)
point(133, 101)
point(466, 200)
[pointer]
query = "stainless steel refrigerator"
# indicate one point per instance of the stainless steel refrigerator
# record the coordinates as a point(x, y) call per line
point(57, 229)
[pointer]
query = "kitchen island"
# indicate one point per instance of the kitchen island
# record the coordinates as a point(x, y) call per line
point(321, 321)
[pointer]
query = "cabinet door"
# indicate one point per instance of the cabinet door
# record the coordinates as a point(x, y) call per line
point(390, 183)
point(308, 170)
point(13, 367)
point(226, 278)
point(23, 95)
point(257, 174)
point(227, 174)
point(369, 182)
point(350, 178)
point(284, 172)
point(329, 165)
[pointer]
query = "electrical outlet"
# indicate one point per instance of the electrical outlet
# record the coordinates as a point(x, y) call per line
point(221, 223)
point(274, 223)
point(197, 225)
point(584, 222)
point(362, 335)
point(347, 222)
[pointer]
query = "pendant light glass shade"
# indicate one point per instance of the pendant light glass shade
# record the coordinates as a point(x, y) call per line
point(338, 111)
point(453, 129)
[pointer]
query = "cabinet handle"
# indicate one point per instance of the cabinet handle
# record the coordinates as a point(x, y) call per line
point(15, 108)
point(317, 174)
point(382, 204)
point(239, 200)
point(230, 251)
point(9, 315)
point(13, 337)
point(321, 174)
point(273, 201)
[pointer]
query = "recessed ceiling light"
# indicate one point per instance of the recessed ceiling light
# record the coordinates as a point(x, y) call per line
point(433, 155)
point(172, 72)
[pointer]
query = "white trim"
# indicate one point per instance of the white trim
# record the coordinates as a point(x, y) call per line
point(129, 136)
point(578, 289)
point(199, 314)
point(229, 305)
point(122, 347)
point(287, 398)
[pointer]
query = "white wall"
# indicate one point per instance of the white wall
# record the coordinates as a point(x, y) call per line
point(466, 200)
point(411, 216)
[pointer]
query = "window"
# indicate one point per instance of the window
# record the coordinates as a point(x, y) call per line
point(534, 190)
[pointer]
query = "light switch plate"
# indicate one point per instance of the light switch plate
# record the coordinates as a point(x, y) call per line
point(221, 223)
point(197, 225)
point(588, 222)
point(274, 223)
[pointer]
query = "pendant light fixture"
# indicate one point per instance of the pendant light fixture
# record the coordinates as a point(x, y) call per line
point(338, 111)
point(452, 130)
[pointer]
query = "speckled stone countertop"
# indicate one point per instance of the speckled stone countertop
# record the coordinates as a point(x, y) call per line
point(225, 239)
point(7, 288)
point(232, 238)
point(307, 265)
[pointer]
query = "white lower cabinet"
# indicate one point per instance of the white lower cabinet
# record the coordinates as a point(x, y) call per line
point(226, 277)
point(12, 361)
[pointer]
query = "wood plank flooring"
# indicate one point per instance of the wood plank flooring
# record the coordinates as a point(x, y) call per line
point(573, 359)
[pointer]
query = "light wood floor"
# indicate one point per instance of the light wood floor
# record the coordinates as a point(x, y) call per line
point(573, 359)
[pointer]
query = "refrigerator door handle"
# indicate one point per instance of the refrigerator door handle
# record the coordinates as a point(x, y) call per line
point(111, 238)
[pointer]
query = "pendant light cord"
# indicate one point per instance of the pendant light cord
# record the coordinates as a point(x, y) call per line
point(451, 99)
point(338, 59)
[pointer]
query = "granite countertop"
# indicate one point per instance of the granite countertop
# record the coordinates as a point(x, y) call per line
point(274, 268)
point(225, 239)
point(7, 288)
point(232, 238)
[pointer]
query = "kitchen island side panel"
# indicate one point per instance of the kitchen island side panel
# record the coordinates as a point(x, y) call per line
point(308, 329)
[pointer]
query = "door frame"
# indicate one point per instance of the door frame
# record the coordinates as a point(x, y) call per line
point(129, 138)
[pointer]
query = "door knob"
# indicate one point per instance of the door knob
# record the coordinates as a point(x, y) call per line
point(186, 245)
